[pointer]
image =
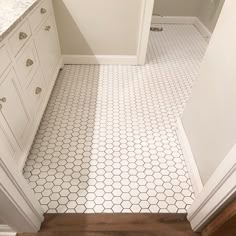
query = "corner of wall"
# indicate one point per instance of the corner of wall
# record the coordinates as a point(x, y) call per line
point(209, 13)
point(189, 159)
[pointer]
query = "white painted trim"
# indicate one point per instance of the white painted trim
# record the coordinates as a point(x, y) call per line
point(202, 29)
point(189, 159)
point(217, 192)
point(7, 234)
point(191, 20)
point(19, 208)
point(5, 230)
point(144, 31)
point(100, 59)
point(173, 20)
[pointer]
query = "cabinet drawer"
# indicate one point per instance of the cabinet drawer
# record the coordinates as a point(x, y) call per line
point(36, 91)
point(20, 37)
point(27, 64)
point(4, 59)
point(40, 14)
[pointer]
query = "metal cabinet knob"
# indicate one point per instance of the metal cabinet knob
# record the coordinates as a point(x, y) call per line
point(3, 99)
point(38, 90)
point(29, 62)
point(43, 10)
point(22, 35)
point(48, 27)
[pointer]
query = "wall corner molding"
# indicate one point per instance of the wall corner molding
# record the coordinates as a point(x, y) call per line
point(217, 192)
point(189, 159)
point(202, 29)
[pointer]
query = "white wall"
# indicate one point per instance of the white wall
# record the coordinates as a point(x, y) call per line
point(209, 12)
point(177, 7)
point(210, 116)
point(101, 27)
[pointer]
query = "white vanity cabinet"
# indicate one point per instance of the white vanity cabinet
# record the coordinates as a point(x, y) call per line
point(12, 108)
point(30, 59)
point(8, 93)
point(47, 46)
point(36, 92)
point(5, 60)
point(6, 146)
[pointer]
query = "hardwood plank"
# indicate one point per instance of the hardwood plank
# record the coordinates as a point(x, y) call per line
point(116, 223)
point(107, 234)
point(228, 229)
point(228, 213)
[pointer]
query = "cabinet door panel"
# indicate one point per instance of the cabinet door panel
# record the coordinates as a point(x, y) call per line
point(47, 46)
point(13, 109)
point(37, 97)
point(26, 71)
point(5, 146)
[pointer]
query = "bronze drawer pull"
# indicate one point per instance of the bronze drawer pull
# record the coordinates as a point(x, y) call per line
point(47, 28)
point(43, 10)
point(38, 90)
point(22, 35)
point(3, 99)
point(29, 62)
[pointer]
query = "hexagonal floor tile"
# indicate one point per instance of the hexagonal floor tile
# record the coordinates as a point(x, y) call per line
point(107, 140)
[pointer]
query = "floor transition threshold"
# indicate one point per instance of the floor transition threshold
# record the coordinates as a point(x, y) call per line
point(115, 225)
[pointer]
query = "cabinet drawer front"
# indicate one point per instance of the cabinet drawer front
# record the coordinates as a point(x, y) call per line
point(4, 59)
point(13, 109)
point(27, 63)
point(20, 37)
point(40, 14)
point(47, 46)
point(36, 91)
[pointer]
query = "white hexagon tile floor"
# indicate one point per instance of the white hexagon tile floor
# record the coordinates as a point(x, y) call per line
point(107, 141)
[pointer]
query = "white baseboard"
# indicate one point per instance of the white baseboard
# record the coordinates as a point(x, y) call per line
point(5, 230)
point(100, 59)
point(173, 20)
point(189, 159)
point(191, 20)
point(217, 192)
point(202, 28)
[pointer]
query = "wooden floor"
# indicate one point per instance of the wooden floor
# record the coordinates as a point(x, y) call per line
point(115, 225)
point(228, 229)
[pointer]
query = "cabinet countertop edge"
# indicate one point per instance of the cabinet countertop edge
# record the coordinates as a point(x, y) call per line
point(12, 14)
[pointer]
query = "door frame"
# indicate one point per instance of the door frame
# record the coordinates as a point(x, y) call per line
point(216, 194)
point(144, 31)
